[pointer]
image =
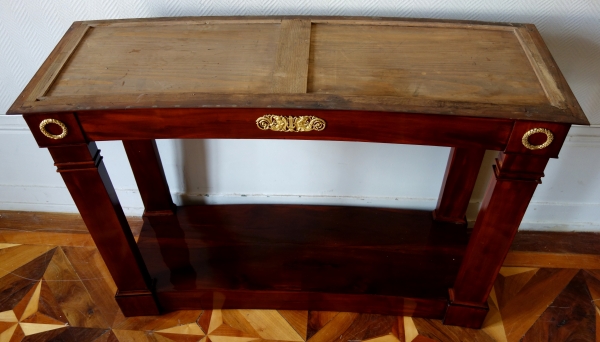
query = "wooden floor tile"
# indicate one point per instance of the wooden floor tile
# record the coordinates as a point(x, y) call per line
point(48, 238)
point(521, 311)
point(593, 284)
point(436, 331)
point(77, 334)
point(28, 305)
point(511, 280)
point(92, 271)
point(570, 317)
point(57, 288)
point(297, 319)
point(552, 260)
point(7, 245)
point(71, 294)
point(108, 336)
point(204, 320)
point(44, 222)
point(48, 307)
point(270, 325)
point(7, 330)
point(215, 338)
point(26, 271)
point(183, 329)
point(597, 324)
point(153, 323)
point(410, 329)
point(369, 326)
point(334, 329)
point(386, 338)
point(317, 320)
point(137, 336)
point(230, 323)
point(493, 325)
point(179, 338)
point(594, 273)
point(187, 332)
point(35, 329)
point(8, 316)
point(18, 334)
point(17, 256)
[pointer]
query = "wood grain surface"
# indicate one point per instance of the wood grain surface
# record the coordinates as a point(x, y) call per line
point(65, 293)
point(437, 130)
point(237, 58)
point(313, 257)
point(460, 64)
point(436, 67)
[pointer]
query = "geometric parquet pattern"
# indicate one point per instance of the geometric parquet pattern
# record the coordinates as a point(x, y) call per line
point(52, 292)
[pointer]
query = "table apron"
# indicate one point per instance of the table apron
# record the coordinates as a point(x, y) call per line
point(382, 127)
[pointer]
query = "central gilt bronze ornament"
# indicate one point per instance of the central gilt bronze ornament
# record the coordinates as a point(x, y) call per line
point(291, 123)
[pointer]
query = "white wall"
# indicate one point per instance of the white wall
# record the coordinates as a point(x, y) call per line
point(229, 171)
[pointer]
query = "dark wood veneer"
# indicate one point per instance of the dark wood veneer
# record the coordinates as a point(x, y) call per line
point(457, 187)
point(147, 168)
point(270, 252)
point(399, 128)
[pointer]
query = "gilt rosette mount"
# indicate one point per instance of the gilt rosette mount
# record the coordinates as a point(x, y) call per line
point(290, 123)
point(527, 144)
point(50, 135)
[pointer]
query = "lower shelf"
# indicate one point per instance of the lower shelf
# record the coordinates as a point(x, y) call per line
point(386, 261)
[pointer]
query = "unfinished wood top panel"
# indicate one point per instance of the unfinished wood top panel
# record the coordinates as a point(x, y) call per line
point(232, 58)
point(396, 65)
point(457, 64)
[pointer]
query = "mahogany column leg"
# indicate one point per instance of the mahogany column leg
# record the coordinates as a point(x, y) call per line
point(81, 167)
point(149, 176)
point(459, 181)
point(159, 208)
point(508, 194)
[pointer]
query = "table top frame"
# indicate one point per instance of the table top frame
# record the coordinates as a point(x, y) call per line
point(290, 92)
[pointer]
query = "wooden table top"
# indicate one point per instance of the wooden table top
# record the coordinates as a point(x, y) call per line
point(369, 64)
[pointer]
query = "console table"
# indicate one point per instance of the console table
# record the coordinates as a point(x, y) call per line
point(469, 85)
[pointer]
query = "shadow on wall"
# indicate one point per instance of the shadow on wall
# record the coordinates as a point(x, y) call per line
point(192, 159)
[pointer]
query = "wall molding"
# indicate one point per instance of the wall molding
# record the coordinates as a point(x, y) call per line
point(13, 124)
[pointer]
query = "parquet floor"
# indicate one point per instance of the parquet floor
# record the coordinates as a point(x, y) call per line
point(55, 287)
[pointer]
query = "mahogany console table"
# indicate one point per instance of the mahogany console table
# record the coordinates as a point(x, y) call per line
point(468, 85)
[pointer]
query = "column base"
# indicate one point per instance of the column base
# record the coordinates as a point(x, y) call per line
point(465, 315)
point(137, 303)
point(439, 218)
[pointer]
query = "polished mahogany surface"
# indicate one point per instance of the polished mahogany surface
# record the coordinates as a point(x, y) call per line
point(321, 249)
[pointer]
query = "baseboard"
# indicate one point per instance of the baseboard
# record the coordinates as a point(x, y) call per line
point(381, 202)
point(13, 124)
point(553, 216)
point(37, 198)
